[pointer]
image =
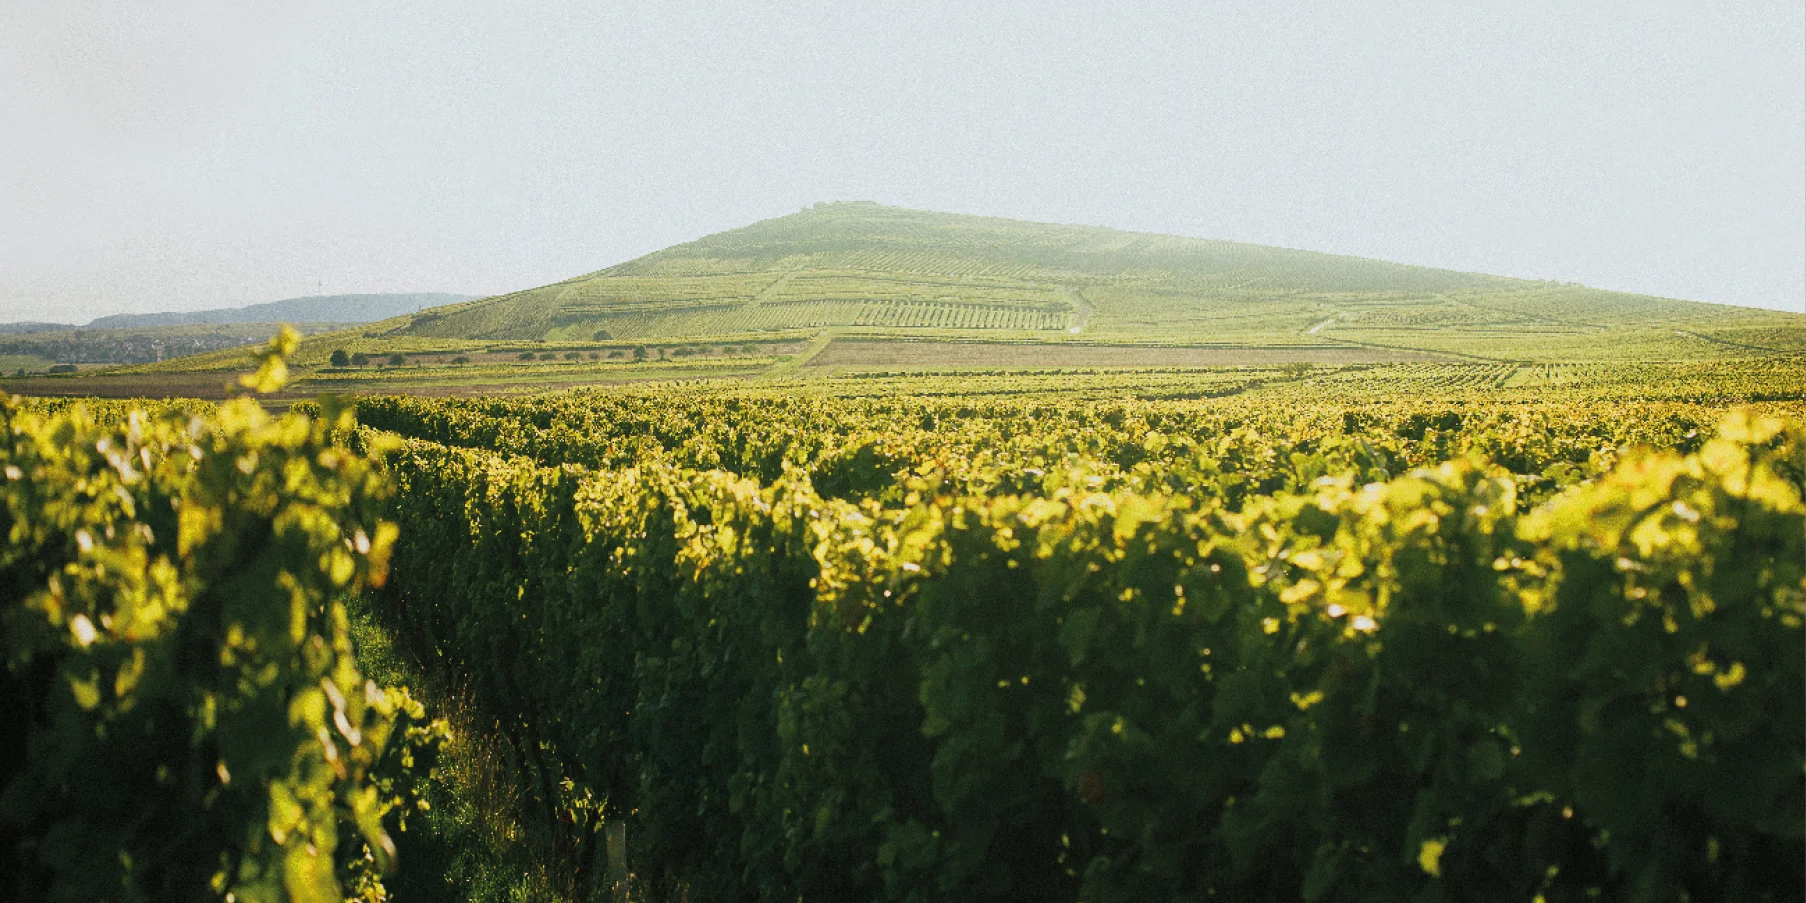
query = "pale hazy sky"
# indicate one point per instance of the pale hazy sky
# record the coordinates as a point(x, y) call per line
point(193, 153)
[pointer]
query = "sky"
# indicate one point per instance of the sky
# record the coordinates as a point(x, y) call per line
point(189, 154)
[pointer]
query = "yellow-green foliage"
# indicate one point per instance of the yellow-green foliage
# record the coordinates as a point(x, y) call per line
point(183, 718)
point(914, 649)
point(1197, 432)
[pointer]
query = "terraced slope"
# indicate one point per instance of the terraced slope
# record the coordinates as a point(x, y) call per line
point(837, 277)
point(864, 265)
point(883, 271)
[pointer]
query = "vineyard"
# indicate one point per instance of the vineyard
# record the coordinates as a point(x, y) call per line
point(679, 319)
point(1396, 633)
point(848, 287)
point(1427, 630)
point(184, 715)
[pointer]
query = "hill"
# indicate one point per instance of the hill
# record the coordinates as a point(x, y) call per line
point(887, 272)
point(310, 309)
point(863, 288)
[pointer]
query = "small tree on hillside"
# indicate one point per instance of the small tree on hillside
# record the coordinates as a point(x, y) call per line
point(639, 352)
point(360, 359)
point(397, 359)
point(340, 358)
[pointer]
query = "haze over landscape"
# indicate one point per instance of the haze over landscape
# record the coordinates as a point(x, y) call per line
point(202, 154)
point(553, 453)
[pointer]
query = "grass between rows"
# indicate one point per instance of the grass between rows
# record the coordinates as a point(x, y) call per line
point(472, 840)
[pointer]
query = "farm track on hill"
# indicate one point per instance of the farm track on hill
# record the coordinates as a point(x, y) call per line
point(1082, 307)
point(1728, 343)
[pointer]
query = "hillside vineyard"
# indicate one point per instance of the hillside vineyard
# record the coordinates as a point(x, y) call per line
point(885, 271)
point(862, 289)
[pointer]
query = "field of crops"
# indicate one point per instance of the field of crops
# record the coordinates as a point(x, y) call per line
point(1364, 635)
point(1428, 630)
point(184, 715)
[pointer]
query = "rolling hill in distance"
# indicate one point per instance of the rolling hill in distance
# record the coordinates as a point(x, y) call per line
point(857, 286)
point(310, 309)
point(888, 272)
point(143, 338)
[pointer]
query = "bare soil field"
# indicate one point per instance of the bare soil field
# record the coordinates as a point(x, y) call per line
point(869, 353)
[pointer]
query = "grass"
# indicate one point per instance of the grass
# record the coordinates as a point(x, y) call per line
point(475, 842)
point(31, 363)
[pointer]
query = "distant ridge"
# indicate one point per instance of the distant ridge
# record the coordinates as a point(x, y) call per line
point(310, 309)
point(147, 338)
